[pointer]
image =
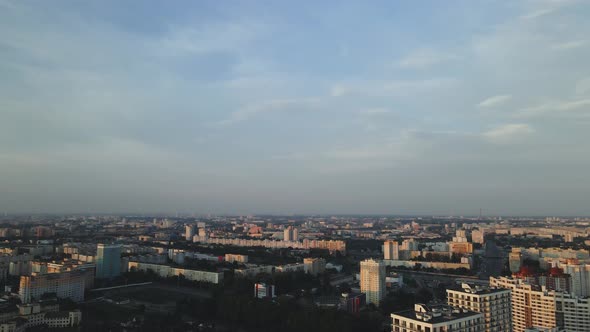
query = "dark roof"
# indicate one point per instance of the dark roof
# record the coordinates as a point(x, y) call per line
point(440, 319)
point(58, 314)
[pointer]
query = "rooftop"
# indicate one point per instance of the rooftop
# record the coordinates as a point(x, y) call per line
point(477, 289)
point(435, 314)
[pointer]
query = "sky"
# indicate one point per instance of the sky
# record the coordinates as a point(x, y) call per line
point(295, 107)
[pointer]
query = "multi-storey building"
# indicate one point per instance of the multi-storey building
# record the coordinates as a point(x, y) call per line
point(531, 306)
point(372, 280)
point(554, 279)
point(291, 234)
point(230, 258)
point(108, 261)
point(314, 266)
point(391, 250)
point(580, 278)
point(264, 291)
point(166, 271)
point(67, 284)
point(439, 318)
point(493, 303)
point(189, 232)
point(573, 312)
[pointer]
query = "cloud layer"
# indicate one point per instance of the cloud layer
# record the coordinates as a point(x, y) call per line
point(295, 108)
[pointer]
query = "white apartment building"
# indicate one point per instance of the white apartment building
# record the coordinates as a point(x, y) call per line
point(580, 278)
point(493, 303)
point(575, 312)
point(372, 280)
point(440, 318)
point(166, 271)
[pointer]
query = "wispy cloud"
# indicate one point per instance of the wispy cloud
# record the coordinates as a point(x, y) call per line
point(568, 45)
point(425, 58)
point(494, 101)
point(538, 13)
point(508, 133)
point(556, 108)
point(269, 106)
point(221, 37)
point(375, 111)
point(583, 86)
point(384, 88)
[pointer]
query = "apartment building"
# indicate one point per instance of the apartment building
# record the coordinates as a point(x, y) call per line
point(67, 284)
point(372, 280)
point(493, 303)
point(437, 318)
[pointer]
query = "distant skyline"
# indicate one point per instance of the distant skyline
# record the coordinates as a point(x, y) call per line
point(271, 107)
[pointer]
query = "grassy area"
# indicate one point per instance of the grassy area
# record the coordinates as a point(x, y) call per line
point(154, 295)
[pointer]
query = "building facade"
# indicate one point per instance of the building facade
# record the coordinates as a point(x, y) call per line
point(291, 234)
point(531, 306)
point(68, 284)
point(493, 303)
point(391, 250)
point(314, 266)
point(372, 280)
point(108, 261)
point(439, 318)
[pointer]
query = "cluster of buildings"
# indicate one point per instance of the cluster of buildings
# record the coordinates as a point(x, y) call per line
point(47, 313)
point(330, 245)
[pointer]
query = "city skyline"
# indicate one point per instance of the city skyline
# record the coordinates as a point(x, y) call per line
point(274, 108)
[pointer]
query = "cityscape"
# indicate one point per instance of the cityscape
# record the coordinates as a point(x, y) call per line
point(293, 273)
point(302, 166)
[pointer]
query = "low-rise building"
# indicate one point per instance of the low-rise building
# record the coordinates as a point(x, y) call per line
point(166, 271)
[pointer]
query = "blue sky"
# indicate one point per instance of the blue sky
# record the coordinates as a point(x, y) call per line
point(295, 107)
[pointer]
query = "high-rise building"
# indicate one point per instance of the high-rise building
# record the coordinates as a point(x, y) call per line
point(391, 250)
point(291, 234)
point(373, 280)
point(189, 232)
point(108, 261)
point(438, 318)
point(537, 307)
point(580, 278)
point(410, 245)
point(65, 285)
point(493, 303)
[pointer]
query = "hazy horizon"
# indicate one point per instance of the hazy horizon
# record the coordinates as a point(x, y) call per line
point(437, 108)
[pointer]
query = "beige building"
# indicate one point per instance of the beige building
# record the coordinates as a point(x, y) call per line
point(372, 280)
point(314, 266)
point(230, 258)
point(67, 284)
point(531, 306)
point(391, 250)
point(291, 234)
point(493, 303)
point(440, 318)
